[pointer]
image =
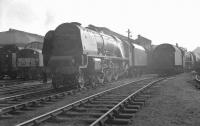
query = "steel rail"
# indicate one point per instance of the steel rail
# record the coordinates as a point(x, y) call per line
point(8, 83)
point(105, 116)
point(31, 102)
point(24, 89)
point(16, 84)
point(55, 112)
point(23, 95)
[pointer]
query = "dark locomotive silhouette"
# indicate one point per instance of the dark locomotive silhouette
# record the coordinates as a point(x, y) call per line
point(8, 57)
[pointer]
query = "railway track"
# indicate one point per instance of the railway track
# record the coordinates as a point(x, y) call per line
point(11, 104)
point(5, 83)
point(28, 87)
point(113, 106)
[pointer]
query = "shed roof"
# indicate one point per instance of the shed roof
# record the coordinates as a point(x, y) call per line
point(166, 45)
point(20, 38)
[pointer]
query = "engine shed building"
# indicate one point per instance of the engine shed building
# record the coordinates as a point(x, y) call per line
point(19, 38)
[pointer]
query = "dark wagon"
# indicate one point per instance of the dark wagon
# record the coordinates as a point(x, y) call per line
point(167, 59)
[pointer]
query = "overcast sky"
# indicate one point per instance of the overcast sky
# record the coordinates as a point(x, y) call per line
point(162, 21)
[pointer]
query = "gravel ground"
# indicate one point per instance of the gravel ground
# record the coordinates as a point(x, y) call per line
point(21, 116)
point(175, 102)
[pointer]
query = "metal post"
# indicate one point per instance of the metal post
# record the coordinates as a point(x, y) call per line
point(129, 35)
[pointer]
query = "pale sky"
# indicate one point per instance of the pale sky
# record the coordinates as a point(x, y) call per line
point(162, 21)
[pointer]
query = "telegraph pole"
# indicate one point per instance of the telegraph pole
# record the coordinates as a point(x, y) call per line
point(129, 35)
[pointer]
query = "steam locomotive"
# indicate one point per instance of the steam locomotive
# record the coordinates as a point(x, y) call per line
point(30, 61)
point(77, 56)
point(11, 63)
point(8, 56)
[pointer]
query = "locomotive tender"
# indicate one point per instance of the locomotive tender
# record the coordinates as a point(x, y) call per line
point(77, 56)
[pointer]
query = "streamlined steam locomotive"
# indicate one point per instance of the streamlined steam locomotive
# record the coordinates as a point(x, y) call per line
point(78, 56)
